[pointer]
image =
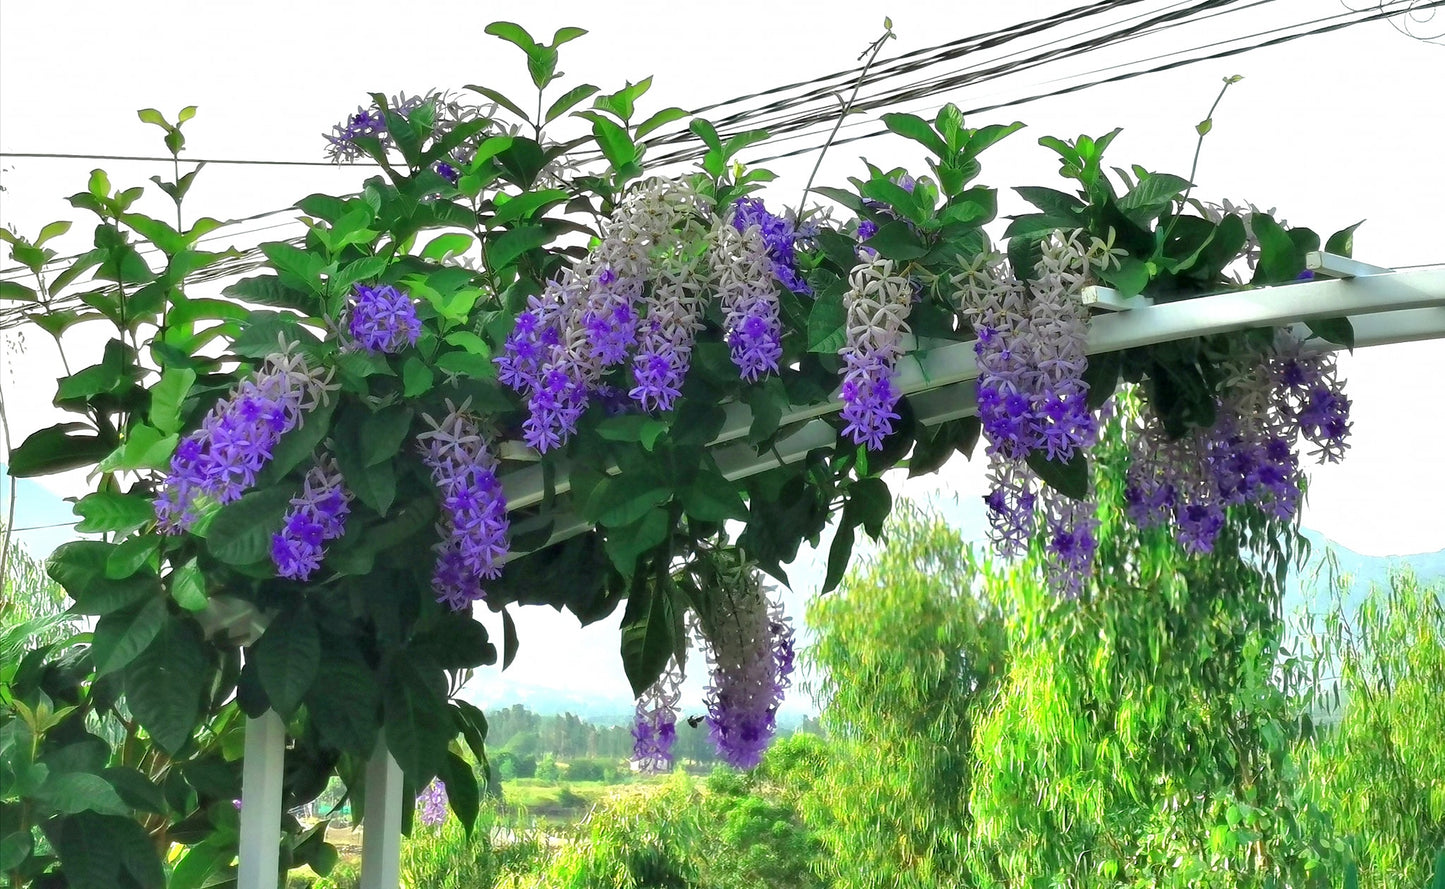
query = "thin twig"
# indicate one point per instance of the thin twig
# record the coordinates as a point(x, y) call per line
point(872, 53)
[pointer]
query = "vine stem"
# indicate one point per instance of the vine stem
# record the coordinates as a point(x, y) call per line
point(872, 54)
point(9, 471)
point(1202, 128)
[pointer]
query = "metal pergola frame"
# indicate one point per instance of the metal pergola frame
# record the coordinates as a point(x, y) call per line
point(1384, 305)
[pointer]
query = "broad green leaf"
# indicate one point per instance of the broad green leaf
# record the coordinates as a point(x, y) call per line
point(898, 241)
point(647, 635)
point(130, 555)
point(444, 247)
point(1071, 478)
point(122, 635)
point(712, 498)
point(913, 127)
point(418, 721)
point(345, 707)
point(502, 251)
point(241, 532)
point(168, 395)
point(827, 322)
point(188, 586)
point(568, 101)
point(165, 684)
point(110, 511)
point(462, 793)
point(384, 432)
point(1342, 242)
point(625, 544)
point(57, 449)
point(69, 793)
point(287, 656)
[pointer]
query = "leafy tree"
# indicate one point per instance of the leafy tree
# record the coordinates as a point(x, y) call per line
point(909, 654)
point(1381, 769)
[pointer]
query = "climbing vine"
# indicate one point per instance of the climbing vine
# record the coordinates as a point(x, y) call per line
point(504, 373)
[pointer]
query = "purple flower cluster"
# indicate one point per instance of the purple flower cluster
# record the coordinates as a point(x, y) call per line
point(654, 730)
point(1309, 393)
point(750, 652)
point(1248, 456)
point(877, 304)
point(370, 122)
point(664, 348)
point(431, 804)
point(598, 317)
point(315, 517)
point(780, 235)
point(219, 461)
point(382, 319)
point(748, 292)
point(1032, 398)
point(538, 362)
point(474, 522)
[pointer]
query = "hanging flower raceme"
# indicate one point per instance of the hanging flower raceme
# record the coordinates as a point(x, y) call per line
point(382, 319)
point(1308, 392)
point(780, 234)
point(664, 350)
point(654, 728)
point(591, 319)
point(750, 654)
point(431, 804)
point(474, 522)
point(876, 304)
point(219, 461)
point(318, 515)
point(748, 291)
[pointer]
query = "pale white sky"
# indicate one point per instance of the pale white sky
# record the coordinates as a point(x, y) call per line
point(1328, 129)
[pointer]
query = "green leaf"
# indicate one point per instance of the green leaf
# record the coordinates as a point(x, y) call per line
point(502, 252)
point(168, 395)
point(72, 792)
point(616, 144)
point(638, 428)
point(624, 499)
point(418, 721)
point(194, 868)
point(871, 501)
point(705, 131)
point(122, 635)
point(843, 196)
point(1279, 261)
point(444, 247)
point(296, 267)
point(269, 290)
point(712, 498)
point(1130, 278)
point(500, 100)
point(15, 847)
point(839, 552)
point(827, 322)
point(509, 639)
point(913, 127)
point(144, 448)
point(241, 532)
point(454, 641)
point(188, 586)
point(56, 449)
point(462, 793)
point(384, 432)
point(1342, 242)
point(1070, 479)
point(287, 656)
point(344, 707)
point(897, 240)
point(165, 684)
point(299, 445)
point(1335, 330)
point(79, 567)
point(17, 291)
point(1152, 195)
point(625, 544)
point(109, 511)
point(568, 101)
point(130, 555)
point(647, 635)
point(661, 118)
point(416, 377)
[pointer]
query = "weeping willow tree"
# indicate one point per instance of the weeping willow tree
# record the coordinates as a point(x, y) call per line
point(992, 734)
point(31, 604)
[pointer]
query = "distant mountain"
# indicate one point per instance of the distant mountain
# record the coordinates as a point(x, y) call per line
point(1310, 587)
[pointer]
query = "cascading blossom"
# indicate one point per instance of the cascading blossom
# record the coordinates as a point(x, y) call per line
point(1248, 456)
point(431, 804)
point(780, 234)
point(747, 289)
point(654, 729)
point(877, 304)
point(382, 319)
point(474, 522)
point(591, 318)
point(219, 461)
point(318, 515)
point(750, 653)
point(370, 122)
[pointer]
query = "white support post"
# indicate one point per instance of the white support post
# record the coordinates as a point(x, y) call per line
point(1332, 265)
point(1110, 300)
point(261, 774)
point(381, 831)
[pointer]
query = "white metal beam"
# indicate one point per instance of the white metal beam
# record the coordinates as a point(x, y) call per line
point(381, 828)
point(262, 768)
point(1332, 265)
